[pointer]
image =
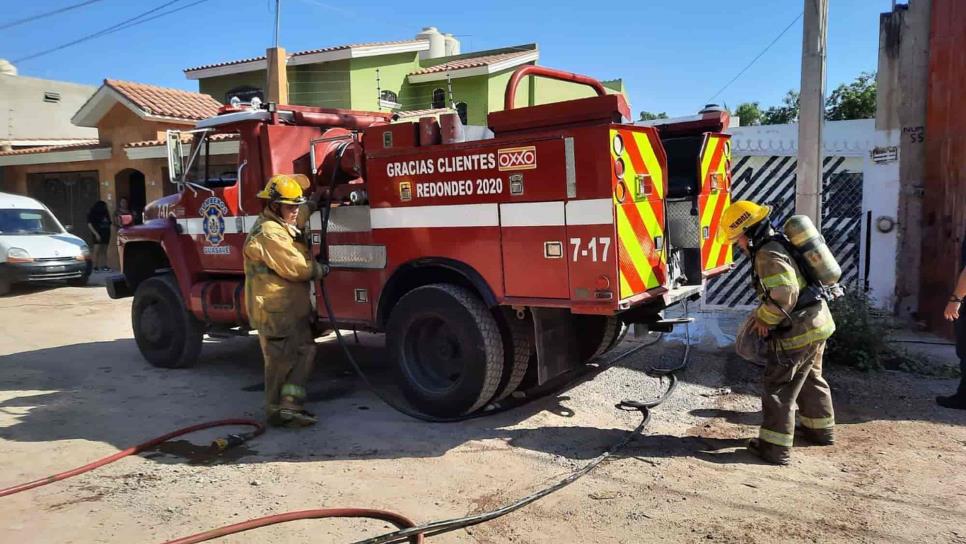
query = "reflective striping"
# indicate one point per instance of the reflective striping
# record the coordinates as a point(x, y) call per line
point(233, 225)
point(457, 215)
point(715, 159)
point(599, 211)
point(802, 340)
point(769, 316)
point(640, 218)
point(817, 422)
point(778, 439)
point(532, 214)
point(787, 277)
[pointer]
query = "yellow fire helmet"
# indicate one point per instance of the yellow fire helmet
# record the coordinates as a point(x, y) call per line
point(285, 189)
point(739, 217)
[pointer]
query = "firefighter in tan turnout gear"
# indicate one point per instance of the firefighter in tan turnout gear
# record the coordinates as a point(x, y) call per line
point(792, 326)
point(278, 269)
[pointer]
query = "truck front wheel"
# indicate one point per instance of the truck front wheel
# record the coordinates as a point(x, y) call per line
point(448, 350)
point(167, 334)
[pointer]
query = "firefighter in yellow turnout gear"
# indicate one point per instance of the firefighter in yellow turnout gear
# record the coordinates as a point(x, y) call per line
point(278, 269)
point(795, 335)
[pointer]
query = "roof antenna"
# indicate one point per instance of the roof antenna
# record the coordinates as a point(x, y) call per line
point(277, 10)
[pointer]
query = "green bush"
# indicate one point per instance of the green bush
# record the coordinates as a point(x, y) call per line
point(860, 338)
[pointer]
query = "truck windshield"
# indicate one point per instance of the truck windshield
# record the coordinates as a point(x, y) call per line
point(207, 166)
point(28, 222)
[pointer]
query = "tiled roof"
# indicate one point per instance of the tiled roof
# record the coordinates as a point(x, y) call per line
point(50, 148)
point(158, 143)
point(301, 53)
point(166, 102)
point(471, 62)
point(421, 113)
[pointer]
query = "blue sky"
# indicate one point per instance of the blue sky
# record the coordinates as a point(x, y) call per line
point(672, 54)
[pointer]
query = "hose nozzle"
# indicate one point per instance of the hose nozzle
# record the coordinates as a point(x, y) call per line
point(230, 441)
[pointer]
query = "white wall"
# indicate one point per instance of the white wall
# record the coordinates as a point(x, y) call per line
point(880, 192)
point(24, 115)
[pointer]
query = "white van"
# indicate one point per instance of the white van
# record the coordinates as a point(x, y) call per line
point(35, 247)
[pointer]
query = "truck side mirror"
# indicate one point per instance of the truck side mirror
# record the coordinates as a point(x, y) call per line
point(175, 156)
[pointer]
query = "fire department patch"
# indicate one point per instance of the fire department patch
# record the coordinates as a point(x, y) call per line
point(212, 213)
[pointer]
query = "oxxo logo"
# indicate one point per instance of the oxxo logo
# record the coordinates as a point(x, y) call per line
point(517, 158)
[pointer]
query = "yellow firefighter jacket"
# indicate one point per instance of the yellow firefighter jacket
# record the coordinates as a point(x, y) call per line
point(278, 268)
point(778, 283)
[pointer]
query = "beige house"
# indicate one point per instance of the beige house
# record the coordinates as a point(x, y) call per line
point(126, 160)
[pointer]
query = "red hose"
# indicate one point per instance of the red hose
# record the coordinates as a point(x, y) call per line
point(259, 429)
point(396, 519)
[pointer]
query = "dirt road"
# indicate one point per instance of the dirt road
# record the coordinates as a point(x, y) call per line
point(73, 387)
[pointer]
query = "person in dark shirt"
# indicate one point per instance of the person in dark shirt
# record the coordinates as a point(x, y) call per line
point(956, 311)
point(99, 223)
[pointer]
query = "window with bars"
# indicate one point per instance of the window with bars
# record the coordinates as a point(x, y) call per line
point(439, 98)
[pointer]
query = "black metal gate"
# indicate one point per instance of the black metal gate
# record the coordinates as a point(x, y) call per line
point(69, 195)
point(774, 184)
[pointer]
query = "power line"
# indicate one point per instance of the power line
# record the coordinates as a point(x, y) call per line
point(32, 18)
point(754, 60)
point(123, 25)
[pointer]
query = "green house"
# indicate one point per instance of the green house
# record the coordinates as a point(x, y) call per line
point(428, 72)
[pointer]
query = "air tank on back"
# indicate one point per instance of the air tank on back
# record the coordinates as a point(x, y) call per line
point(801, 232)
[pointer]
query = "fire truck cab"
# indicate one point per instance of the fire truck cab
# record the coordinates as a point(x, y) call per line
point(495, 258)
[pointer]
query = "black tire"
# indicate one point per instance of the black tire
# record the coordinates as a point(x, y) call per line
point(518, 351)
point(167, 334)
point(596, 334)
point(448, 350)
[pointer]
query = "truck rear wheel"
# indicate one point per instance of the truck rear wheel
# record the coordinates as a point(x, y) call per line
point(165, 331)
point(596, 335)
point(448, 349)
point(518, 350)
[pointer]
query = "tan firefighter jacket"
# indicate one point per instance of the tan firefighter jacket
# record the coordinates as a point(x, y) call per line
point(278, 268)
point(778, 283)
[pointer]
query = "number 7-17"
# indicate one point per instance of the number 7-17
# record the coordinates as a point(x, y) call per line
point(603, 242)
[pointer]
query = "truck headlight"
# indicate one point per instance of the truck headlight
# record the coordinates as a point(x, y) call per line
point(18, 255)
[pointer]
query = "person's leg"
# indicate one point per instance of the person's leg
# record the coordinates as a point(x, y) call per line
point(781, 384)
point(958, 400)
point(277, 367)
point(815, 411)
point(289, 362)
point(303, 363)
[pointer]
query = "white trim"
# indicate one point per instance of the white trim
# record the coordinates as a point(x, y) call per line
point(239, 68)
point(357, 52)
point(161, 151)
point(487, 69)
point(532, 214)
point(296, 59)
point(458, 215)
point(75, 155)
point(599, 211)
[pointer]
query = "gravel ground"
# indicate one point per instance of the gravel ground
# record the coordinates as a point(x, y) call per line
point(73, 388)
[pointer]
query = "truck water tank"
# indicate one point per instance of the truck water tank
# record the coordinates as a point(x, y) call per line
point(801, 232)
point(451, 45)
point(437, 43)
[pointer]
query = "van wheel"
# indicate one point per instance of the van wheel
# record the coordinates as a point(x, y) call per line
point(165, 331)
point(518, 350)
point(448, 349)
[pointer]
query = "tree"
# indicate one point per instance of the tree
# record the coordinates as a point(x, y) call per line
point(786, 113)
point(648, 116)
point(749, 113)
point(853, 101)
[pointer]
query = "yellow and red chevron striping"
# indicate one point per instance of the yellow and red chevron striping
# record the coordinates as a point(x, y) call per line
point(640, 217)
point(715, 161)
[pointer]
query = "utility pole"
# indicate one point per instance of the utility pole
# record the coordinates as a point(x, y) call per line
point(277, 71)
point(811, 116)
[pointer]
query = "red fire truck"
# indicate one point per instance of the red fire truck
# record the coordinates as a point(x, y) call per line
point(493, 257)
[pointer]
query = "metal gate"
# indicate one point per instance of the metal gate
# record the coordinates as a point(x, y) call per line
point(69, 195)
point(773, 183)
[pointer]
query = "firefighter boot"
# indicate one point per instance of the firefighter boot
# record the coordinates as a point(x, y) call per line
point(956, 402)
point(819, 437)
point(776, 455)
point(291, 414)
